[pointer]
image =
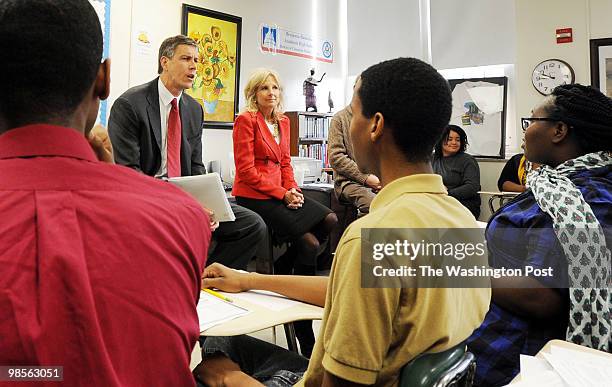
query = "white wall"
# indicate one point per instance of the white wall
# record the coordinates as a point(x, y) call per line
point(162, 18)
point(536, 41)
point(600, 25)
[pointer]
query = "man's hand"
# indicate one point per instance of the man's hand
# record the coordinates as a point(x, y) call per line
point(373, 182)
point(100, 143)
point(225, 279)
point(214, 224)
point(293, 199)
point(220, 371)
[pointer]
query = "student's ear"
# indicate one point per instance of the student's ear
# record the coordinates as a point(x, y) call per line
point(560, 132)
point(378, 124)
point(102, 86)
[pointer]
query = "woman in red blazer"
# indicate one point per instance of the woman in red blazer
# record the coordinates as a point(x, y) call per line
point(264, 182)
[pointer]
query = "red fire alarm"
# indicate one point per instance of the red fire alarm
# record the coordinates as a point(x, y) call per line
point(564, 35)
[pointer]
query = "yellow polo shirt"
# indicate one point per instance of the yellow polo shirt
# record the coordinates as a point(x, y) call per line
point(367, 335)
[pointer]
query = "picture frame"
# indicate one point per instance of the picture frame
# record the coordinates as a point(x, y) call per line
point(601, 65)
point(217, 81)
point(479, 108)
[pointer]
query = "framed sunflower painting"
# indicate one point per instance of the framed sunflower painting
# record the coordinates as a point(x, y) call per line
point(218, 70)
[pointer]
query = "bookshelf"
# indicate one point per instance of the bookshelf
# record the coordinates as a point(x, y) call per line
point(309, 135)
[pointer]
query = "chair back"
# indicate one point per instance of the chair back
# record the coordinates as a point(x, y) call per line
point(451, 368)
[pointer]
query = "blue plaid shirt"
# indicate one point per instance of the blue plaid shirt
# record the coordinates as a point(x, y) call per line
point(521, 234)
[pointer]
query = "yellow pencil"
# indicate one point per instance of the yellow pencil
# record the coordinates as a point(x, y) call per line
point(219, 295)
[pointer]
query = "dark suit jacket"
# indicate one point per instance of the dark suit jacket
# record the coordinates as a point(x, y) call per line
point(134, 128)
point(263, 167)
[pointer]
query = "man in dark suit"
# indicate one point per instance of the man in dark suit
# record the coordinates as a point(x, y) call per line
point(155, 128)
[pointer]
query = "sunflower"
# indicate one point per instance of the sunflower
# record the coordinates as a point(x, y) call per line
point(201, 57)
point(196, 36)
point(208, 50)
point(223, 69)
point(216, 32)
point(205, 70)
point(221, 48)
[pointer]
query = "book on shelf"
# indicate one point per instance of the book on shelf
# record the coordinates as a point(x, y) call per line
point(315, 151)
point(313, 126)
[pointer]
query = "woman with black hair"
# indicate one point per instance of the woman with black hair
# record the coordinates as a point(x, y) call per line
point(559, 224)
point(460, 172)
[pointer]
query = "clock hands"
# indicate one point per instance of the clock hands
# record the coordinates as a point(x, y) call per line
point(546, 75)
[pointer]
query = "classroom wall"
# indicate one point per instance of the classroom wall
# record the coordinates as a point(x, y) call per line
point(162, 18)
point(361, 40)
point(536, 22)
point(536, 41)
point(599, 19)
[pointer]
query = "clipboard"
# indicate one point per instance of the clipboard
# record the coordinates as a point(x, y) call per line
point(208, 191)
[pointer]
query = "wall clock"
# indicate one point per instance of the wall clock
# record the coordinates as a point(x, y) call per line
point(551, 73)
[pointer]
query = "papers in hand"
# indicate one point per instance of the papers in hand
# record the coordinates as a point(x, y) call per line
point(213, 311)
point(208, 191)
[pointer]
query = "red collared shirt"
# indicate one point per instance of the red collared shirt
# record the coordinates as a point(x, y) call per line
point(99, 265)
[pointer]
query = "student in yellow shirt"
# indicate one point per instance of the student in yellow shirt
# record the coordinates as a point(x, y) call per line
point(400, 108)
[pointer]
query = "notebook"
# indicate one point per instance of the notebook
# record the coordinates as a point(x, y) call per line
point(213, 311)
point(208, 191)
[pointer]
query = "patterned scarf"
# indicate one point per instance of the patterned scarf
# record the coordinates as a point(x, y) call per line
point(584, 244)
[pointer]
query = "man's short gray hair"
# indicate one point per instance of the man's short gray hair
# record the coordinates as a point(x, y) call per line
point(169, 45)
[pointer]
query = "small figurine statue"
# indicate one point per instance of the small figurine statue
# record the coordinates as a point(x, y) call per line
point(330, 102)
point(309, 90)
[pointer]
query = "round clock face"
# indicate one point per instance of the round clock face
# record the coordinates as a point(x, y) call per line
point(551, 73)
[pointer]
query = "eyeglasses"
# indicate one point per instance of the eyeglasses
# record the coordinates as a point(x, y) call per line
point(525, 122)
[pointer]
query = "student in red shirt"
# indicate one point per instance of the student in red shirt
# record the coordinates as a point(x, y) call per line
point(99, 265)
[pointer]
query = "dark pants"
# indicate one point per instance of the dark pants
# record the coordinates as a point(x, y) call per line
point(235, 243)
point(268, 363)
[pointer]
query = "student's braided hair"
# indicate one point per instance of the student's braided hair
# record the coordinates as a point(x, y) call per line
point(587, 112)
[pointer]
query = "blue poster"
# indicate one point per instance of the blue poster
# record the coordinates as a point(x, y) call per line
point(102, 8)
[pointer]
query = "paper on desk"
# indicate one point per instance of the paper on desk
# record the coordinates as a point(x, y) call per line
point(213, 311)
point(532, 366)
point(269, 300)
point(544, 378)
point(580, 369)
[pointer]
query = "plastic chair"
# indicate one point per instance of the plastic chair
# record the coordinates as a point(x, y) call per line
point(454, 367)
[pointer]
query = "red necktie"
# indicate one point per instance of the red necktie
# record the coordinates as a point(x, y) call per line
point(174, 141)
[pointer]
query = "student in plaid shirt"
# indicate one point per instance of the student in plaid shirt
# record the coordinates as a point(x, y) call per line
point(570, 133)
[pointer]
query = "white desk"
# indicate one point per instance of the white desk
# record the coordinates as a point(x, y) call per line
point(261, 317)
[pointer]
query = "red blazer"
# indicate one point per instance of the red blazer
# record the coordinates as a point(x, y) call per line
point(263, 167)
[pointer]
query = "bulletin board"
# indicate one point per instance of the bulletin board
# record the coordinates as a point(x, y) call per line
point(479, 107)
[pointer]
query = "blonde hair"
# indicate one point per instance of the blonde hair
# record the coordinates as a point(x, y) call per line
point(258, 77)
